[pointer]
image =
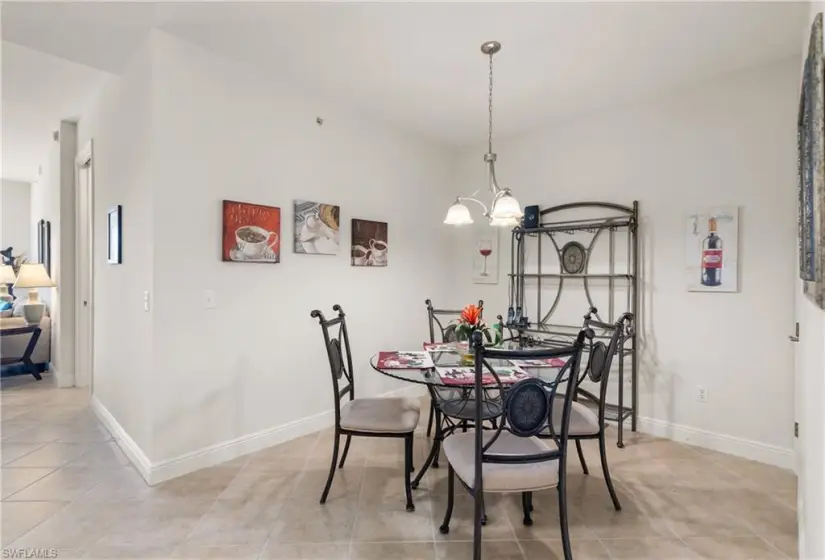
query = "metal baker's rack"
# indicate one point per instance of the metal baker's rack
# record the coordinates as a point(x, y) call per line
point(538, 279)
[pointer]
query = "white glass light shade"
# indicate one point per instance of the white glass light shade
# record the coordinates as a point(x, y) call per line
point(506, 206)
point(33, 275)
point(458, 215)
point(504, 222)
point(7, 274)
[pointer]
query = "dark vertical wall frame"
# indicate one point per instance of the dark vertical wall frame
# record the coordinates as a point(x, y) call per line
point(115, 246)
point(44, 244)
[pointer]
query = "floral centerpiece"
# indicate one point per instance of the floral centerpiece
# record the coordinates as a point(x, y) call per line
point(469, 322)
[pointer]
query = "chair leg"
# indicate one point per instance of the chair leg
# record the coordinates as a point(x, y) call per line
point(430, 421)
point(331, 467)
point(581, 456)
point(344, 454)
point(479, 520)
point(438, 438)
point(408, 453)
point(445, 526)
point(606, 471)
point(526, 498)
point(565, 533)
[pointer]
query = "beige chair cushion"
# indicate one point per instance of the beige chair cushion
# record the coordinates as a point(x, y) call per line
point(499, 477)
point(380, 416)
point(583, 421)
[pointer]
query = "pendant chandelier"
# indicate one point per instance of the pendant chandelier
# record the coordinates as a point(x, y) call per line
point(505, 210)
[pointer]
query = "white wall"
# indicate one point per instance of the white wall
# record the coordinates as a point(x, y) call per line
point(15, 216)
point(810, 378)
point(213, 130)
point(120, 121)
point(726, 142)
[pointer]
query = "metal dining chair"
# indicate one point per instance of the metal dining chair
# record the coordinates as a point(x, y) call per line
point(368, 417)
point(512, 458)
point(584, 423)
point(446, 331)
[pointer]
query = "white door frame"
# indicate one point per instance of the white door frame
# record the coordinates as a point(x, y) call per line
point(84, 377)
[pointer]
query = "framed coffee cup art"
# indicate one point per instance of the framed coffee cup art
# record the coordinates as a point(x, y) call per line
point(251, 233)
point(369, 243)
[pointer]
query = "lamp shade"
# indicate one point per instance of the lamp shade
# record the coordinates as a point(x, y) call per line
point(33, 275)
point(7, 275)
point(506, 206)
point(458, 215)
point(504, 222)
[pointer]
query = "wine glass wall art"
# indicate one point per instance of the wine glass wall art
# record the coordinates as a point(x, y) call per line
point(712, 250)
point(485, 256)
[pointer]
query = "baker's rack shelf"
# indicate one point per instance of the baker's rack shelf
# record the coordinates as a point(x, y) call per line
point(620, 225)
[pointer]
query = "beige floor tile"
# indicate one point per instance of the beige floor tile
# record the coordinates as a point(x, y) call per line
point(15, 479)
point(392, 551)
point(138, 552)
point(169, 522)
point(552, 549)
point(383, 525)
point(733, 548)
point(304, 522)
point(498, 525)
point(304, 551)
point(546, 522)
point(13, 451)
point(17, 518)
point(787, 543)
point(77, 526)
point(195, 552)
point(346, 485)
point(237, 522)
point(648, 549)
point(51, 455)
point(64, 484)
point(500, 550)
point(205, 484)
point(102, 455)
point(118, 485)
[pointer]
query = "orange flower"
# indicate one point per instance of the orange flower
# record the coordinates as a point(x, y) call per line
point(471, 315)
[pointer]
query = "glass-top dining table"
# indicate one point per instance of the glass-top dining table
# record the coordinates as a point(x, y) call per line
point(451, 385)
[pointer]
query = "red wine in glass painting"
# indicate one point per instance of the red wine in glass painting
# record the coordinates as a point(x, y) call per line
point(485, 249)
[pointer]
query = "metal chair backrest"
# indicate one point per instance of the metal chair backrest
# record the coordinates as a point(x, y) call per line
point(601, 354)
point(336, 342)
point(446, 329)
point(528, 405)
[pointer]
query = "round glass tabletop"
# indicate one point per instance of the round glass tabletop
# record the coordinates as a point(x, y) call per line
point(451, 373)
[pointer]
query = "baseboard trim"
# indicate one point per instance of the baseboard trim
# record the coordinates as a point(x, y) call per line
point(741, 447)
point(161, 471)
point(232, 449)
point(124, 441)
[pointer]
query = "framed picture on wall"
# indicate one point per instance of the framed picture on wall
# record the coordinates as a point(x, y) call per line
point(369, 243)
point(115, 233)
point(712, 250)
point(485, 256)
point(251, 233)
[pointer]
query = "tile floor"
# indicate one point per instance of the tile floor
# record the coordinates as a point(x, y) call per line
point(67, 486)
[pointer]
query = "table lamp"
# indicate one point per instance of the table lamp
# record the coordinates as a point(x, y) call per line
point(7, 277)
point(33, 276)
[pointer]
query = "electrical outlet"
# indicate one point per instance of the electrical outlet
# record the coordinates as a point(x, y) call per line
point(796, 429)
point(209, 299)
point(701, 394)
point(146, 301)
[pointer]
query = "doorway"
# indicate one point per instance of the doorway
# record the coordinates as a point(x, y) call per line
point(84, 243)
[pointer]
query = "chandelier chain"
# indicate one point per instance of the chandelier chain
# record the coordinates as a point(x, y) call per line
point(490, 110)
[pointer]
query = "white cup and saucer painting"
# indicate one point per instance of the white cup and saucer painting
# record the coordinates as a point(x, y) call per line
point(251, 233)
point(369, 243)
point(317, 228)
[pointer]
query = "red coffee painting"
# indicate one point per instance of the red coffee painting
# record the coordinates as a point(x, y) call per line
point(251, 233)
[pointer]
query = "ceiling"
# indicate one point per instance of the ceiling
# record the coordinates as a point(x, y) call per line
point(418, 65)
